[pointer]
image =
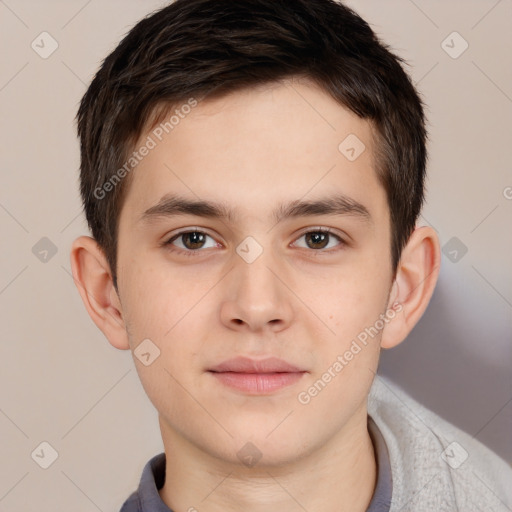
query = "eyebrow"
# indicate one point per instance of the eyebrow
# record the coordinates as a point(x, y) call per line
point(171, 205)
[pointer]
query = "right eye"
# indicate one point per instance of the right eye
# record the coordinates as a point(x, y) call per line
point(191, 241)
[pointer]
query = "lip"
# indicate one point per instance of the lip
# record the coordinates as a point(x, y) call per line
point(256, 377)
point(248, 365)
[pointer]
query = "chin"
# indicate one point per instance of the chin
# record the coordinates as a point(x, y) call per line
point(258, 449)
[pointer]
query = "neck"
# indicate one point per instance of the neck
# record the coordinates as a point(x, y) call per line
point(338, 477)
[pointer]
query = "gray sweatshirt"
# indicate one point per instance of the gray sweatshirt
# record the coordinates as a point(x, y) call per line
point(434, 465)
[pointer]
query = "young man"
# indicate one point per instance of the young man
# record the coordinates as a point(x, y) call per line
point(252, 173)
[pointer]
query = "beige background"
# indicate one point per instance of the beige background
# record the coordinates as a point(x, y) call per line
point(61, 382)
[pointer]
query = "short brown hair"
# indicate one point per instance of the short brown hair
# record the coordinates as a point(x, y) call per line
point(205, 48)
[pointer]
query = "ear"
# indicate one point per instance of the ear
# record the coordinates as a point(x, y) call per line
point(415, 280)
point(93, 279)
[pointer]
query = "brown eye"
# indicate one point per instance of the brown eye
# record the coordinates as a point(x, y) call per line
point(193, 240)
point(320, 239)
point(190, 241)
point(317, 239)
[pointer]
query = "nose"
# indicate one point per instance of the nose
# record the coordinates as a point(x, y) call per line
point(257, 297)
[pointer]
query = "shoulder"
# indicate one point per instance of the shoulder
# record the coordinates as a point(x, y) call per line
point(435, 465)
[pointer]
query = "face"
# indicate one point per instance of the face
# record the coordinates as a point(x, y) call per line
point(254, 275)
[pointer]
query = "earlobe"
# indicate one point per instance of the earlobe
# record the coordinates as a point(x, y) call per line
point(414, 284)
point(93, 279)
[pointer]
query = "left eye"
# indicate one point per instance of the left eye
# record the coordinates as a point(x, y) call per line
point(319, 239)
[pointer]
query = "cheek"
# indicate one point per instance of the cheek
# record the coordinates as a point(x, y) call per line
point(347, 358)
point(167, 310)
point(353, 302)
point(155, 300)
point(348, 353)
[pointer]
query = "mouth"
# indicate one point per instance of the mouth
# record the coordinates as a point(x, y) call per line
point(256, 377)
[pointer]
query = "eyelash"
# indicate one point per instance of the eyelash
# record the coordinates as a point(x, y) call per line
point(190, 252)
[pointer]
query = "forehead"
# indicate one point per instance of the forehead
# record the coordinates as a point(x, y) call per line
point(251, 148)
